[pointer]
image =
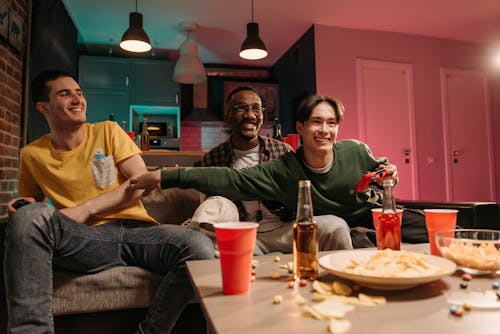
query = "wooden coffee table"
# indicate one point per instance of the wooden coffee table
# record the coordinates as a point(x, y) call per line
point(423, 309)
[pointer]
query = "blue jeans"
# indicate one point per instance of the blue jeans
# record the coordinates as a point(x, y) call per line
point(38, 237)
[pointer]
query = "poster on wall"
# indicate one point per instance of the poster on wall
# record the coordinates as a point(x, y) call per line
point(268, 92)
point(15, 30)
point(4, 18)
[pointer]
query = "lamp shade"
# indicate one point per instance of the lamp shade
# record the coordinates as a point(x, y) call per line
point(135, 38)
point(253, 47)
point(189, 69)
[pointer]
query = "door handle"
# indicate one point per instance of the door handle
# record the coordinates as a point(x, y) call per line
point(406, 152)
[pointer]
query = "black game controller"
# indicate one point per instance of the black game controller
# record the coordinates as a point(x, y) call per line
point(19, 203)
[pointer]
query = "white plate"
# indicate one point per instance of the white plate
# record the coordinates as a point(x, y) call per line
point(338, 261)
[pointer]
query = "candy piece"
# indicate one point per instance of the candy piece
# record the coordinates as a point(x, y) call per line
point(495, 285)
point(255, 263)
point(252, 278)
point(277, 299)
point(452, 308)
point(275, 275)
point(459, 311)
point(254, 272)
point(467, 306)
point(466, 277)
point(277, 259)
point(291, 284)
point(464, 285)
point(302, 282)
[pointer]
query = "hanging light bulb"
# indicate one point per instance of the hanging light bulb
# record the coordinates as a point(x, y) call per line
point(189, 69)
point(135, 38)
point(253, 47)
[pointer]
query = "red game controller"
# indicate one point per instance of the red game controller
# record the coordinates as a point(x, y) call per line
point(371, 177)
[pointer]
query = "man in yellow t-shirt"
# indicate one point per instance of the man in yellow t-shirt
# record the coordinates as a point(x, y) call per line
point(98, 222)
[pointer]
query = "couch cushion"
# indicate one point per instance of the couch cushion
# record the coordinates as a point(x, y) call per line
point(113, 289)
point(172, 205)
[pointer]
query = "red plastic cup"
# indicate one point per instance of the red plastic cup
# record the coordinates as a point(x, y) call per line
point(376, 213)
point(131, 134)
point(286, 140)
point(294, 140)
point(236, 242)
point(439, 220)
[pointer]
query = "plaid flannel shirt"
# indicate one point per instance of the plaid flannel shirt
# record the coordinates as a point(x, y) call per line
point(269, 149)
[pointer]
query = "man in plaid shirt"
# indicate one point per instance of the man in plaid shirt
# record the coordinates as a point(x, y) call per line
point(246, 148)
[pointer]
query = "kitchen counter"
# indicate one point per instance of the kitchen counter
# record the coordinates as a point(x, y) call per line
point(159, 158)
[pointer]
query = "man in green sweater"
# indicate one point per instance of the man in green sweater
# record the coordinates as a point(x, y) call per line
point(334, 168)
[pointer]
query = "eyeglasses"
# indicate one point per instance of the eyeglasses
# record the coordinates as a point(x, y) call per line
point(256, 109)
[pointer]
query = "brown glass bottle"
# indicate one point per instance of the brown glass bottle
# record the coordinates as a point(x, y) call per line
point(277, 129)
point(144, 135)
point(305, 236)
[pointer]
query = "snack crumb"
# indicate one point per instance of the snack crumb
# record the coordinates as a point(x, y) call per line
point(302, 282)
point(291, 284)
point(275, 275)
point(277, 259)
point(277, 299)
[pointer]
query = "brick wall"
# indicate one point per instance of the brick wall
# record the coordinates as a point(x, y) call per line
point(11, 107)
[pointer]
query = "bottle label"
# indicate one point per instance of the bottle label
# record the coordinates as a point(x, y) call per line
point(389, 232)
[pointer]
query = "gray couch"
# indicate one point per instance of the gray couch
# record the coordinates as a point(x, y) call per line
point(117, 289)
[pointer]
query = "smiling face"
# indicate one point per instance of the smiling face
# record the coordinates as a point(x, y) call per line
point(66, 106)
point(245, 124)
point(318, 133)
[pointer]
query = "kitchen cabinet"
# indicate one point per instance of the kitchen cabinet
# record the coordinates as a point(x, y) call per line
point(152, 83)
point(112, 84)
point(104, 72)
point(102, 102)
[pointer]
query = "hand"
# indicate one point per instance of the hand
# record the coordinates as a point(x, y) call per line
point(147, 181)
point(387, 171)
point(11, 208)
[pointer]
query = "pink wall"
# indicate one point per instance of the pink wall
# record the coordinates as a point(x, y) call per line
point(336, 52)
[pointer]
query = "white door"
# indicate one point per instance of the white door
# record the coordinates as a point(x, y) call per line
point(467, 136)
point(386, 110)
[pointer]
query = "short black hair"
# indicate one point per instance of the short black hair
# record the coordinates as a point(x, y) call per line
point(239, 89)
point(308, 104)
point(39, 89)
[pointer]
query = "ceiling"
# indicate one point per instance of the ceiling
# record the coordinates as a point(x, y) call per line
point(222, 23)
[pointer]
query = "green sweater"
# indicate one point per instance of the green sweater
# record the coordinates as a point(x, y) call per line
point(332, 192)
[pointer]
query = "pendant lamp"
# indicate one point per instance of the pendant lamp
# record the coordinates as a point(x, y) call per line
point(253, 47)
point(189, 69)
point(135, 38)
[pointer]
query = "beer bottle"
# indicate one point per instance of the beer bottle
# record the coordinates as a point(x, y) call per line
point(389, 223)
point(112, 117)
point(305, 236)
point(277, 129)
point(144, 135)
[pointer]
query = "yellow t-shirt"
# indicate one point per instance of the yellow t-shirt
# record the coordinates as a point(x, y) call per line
point(73, 177)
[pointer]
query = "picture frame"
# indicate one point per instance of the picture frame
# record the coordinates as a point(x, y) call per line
point(4, 19)
point(15, 31)
point(268, 92)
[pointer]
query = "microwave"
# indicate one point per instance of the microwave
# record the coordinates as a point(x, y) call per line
point(160, 129)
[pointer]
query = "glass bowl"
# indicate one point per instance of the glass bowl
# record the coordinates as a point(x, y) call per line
point(474, 251)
